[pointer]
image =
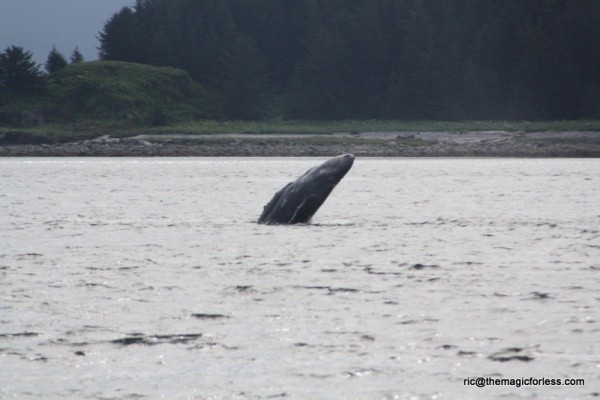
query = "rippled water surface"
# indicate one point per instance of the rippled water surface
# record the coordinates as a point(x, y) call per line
point(149, 278)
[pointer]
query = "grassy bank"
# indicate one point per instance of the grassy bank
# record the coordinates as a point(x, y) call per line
point(355, 126)
point(94, 129)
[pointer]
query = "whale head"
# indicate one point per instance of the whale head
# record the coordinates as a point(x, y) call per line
point(331, 171)
point(298, 201)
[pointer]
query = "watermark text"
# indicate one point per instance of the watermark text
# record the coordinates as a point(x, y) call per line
point(482, 381)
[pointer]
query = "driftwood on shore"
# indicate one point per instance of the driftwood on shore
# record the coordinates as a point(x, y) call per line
point(366, 144)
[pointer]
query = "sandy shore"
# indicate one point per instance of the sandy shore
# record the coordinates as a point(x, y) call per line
point(364, 144)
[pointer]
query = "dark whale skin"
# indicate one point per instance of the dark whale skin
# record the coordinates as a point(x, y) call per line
point(298, 201)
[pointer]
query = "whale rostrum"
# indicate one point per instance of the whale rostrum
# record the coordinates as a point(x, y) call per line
point(298, 201)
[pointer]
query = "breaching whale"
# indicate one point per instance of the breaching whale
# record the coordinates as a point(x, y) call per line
point(298, 201)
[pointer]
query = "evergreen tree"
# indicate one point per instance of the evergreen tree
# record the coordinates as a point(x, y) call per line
point(422, 65)
point(19, 74)
point(55, 61)
point(244, 83)
point(119, 39)
point(367, 50)
point(76, 56)
point(319, 89)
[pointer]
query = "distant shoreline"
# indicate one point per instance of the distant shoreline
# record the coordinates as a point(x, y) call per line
point(362, 144)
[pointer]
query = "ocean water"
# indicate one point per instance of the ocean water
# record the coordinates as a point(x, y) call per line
point(137, 278)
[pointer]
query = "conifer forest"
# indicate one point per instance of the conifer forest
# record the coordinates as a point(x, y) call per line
point(374, 59)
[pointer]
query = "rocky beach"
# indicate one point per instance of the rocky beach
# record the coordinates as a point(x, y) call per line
point(362, 144)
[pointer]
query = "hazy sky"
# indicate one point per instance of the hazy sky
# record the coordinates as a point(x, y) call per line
point(36, 25)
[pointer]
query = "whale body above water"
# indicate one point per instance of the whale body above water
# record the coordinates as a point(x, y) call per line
point(298, 201)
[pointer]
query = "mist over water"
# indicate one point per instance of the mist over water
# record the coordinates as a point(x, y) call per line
point(141, 278)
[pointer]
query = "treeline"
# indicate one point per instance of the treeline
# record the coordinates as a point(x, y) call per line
point(20, 75)
point(404, 59)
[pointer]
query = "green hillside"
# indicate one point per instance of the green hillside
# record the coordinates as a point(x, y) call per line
point(116, 91)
